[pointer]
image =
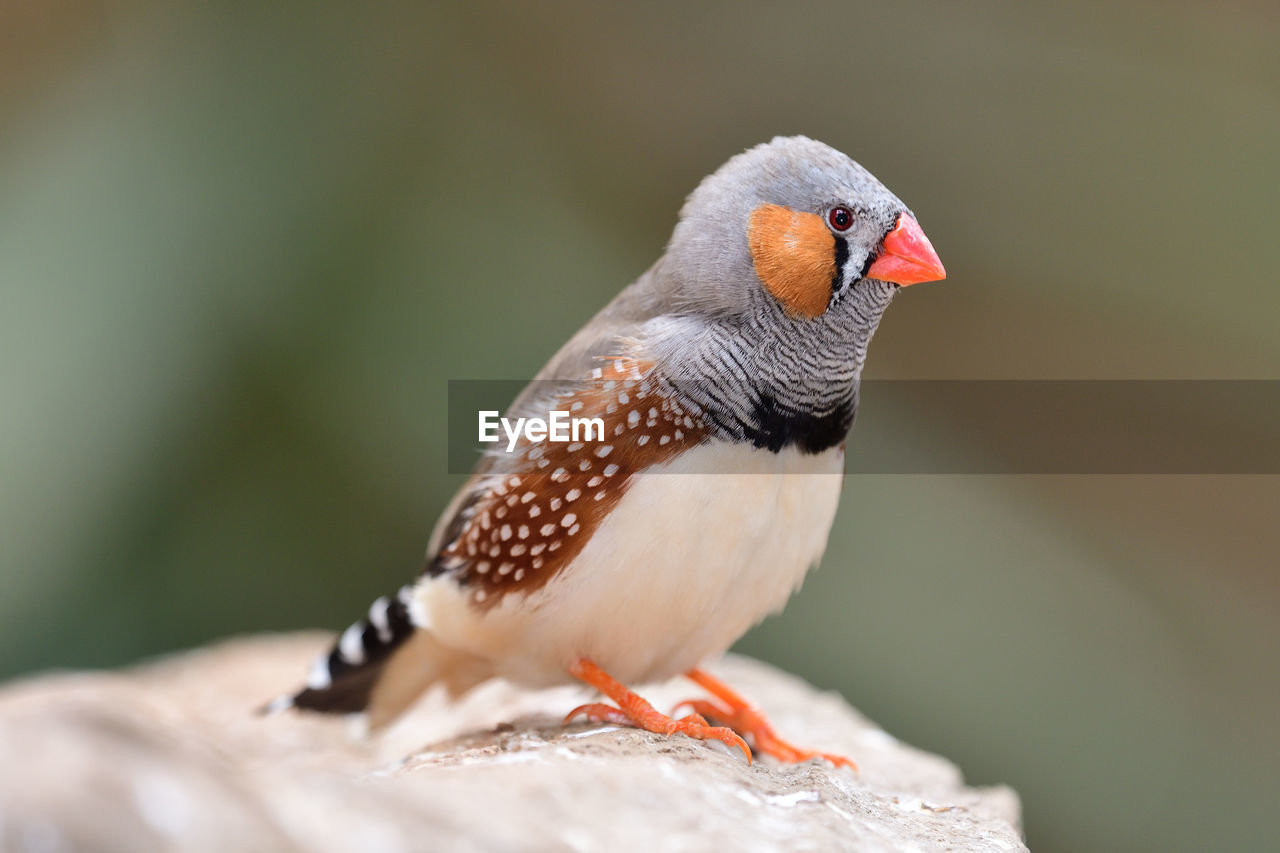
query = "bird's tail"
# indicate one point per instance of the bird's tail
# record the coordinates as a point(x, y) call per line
point(380, 664)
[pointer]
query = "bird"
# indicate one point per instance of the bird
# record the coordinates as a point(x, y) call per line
point(725, 379)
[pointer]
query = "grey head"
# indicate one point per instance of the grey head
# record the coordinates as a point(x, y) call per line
point(708, 266)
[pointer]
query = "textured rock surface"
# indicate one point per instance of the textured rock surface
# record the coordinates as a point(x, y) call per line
point(169, 757)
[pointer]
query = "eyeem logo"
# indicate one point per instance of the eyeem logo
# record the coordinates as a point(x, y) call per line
point(560, 428)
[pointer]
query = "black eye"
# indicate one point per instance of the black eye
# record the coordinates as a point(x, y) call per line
point(841, 218)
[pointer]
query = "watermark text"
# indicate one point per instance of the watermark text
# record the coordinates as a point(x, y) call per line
point(560, 427)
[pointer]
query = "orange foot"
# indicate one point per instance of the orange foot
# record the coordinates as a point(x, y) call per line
point(746, 719)
point(634, 711)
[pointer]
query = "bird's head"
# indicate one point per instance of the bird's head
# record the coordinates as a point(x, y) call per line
point(794, 225)
point(772, 286)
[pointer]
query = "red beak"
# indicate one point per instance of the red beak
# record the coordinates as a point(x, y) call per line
point(907, 256)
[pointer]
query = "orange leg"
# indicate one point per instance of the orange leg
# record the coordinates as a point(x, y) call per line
point(746, 719)
point(634, 711)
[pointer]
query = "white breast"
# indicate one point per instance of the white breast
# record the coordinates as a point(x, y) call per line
point(684, 565)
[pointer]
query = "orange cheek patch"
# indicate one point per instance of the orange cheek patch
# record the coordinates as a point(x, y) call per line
point(795, 256)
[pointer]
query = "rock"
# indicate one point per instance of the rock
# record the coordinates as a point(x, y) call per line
point(169, 756)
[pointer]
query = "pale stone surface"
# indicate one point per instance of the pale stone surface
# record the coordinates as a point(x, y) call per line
point(170, 757)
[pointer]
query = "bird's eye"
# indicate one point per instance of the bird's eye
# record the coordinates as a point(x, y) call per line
point(841, 218)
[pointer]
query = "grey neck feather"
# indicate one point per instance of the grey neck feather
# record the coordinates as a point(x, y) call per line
point(767, 378)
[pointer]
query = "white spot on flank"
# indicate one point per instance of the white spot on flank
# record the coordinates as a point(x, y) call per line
point(554, 546)
point(569, 519)
point(623, 398)
point(595, 481)
point(526, 497)
point(539, 548)
point(643, 440)
point(577, 406)
point(633, 418)
point(547, 529)
point(505, 532)
point(679, 435)
point(610, 385)
point(664, 439)
point(523, 532)
point(505, 568)
point(555, 504)
point(619, 430)
point(584, 465)
point(574, 447)
point(517, 549)
point(537, 562)
point(574, 529)
point(558, 474)
point(481, 595)
point(519, 574)
point(535, 511)
point(597, 373)
point(572, 495)
point(610, 470)
point(543, 463)
point(600, 495)
point(501, 512)
point(482, 567)
point(653, 413)
point(604, 450)
point(495, 550)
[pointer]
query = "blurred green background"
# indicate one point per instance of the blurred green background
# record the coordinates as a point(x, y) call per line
point(243, 248)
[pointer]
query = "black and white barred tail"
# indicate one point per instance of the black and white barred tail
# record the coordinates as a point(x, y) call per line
point(381, 664)
point(342, 680)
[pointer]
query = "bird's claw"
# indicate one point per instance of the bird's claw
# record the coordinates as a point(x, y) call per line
point(692, 725)
point(750, 722)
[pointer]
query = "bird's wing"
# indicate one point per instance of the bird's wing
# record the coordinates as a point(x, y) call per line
point(524, 515)
point(610, 333)
point(529, 512)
